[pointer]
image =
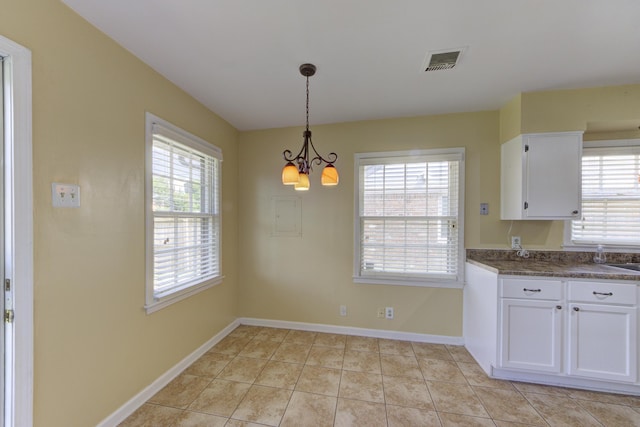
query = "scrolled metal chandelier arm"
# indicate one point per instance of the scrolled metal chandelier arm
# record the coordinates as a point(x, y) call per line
point(318, 159)
point(302, 158)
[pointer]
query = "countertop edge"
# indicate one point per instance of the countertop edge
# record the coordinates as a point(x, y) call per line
point(570, 273)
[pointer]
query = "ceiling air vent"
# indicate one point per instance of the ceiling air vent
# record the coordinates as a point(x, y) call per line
point(443, 59)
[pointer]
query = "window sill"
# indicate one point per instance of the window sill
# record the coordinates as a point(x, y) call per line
point(424, 283)
point(179, 295)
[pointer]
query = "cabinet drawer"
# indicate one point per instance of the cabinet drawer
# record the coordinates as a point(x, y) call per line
point(531, 289)
point(602, 292)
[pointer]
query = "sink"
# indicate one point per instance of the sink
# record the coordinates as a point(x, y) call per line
point(629, 266)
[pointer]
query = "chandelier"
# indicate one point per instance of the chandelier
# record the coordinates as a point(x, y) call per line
point(296, 171)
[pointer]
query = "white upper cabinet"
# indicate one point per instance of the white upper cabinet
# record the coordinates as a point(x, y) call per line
point(541, 176)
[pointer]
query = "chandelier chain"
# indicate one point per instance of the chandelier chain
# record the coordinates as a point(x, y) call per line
point(307, 103)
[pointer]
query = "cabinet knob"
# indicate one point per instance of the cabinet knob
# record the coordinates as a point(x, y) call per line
point(576, 308)
point(559, 307)
point(575, 212)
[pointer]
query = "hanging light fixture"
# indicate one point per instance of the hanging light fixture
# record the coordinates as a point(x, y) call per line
point(296, 171)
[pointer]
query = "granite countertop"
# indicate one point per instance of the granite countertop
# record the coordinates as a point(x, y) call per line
point(554, 263)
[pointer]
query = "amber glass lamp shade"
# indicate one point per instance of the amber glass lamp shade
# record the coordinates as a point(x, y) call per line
point(329, 175)
point(290, 175)
point(303, 184)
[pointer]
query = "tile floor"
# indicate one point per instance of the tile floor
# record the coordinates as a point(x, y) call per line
point(278, 377)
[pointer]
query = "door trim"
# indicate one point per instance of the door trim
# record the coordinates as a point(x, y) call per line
point(19, 200)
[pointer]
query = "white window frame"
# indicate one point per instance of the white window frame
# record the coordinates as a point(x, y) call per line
point(568, 242)
point(156, 301)
point(401, 157)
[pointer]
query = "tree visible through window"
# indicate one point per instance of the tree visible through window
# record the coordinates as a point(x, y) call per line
point(409, 219)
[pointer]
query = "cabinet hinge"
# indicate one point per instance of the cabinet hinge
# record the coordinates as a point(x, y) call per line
point(8, 316)
point(526, 148)
point(526, 205)
point(7, 285)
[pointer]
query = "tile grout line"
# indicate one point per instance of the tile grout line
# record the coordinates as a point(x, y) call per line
point(456, 357)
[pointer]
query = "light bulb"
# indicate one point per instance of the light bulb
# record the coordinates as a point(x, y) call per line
point(303, 184)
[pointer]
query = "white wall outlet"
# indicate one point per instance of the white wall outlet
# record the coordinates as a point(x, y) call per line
point(65, 195)
point(484, 208)
point(381, 312)
point(388, 312)
point(516, 243)
point(343, 310)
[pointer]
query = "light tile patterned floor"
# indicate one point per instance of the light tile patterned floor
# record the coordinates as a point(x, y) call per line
point(278, 377)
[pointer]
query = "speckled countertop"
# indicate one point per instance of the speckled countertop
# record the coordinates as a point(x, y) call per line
point(554, 263)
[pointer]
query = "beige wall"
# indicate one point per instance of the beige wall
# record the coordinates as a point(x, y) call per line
point(95, 347)
point(611, 112)
point(567, 110)
point(306, 279)
point(511, 119)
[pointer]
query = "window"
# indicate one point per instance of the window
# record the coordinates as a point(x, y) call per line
point(610, 196)
point(183, 214)
point(409, 218)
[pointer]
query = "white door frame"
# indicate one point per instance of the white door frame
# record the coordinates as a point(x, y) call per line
point(19, 220)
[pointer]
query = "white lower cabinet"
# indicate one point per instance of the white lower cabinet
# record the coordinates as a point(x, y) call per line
point(603, 336)
point(531, 335)
point(531, 324)
point(580, 333)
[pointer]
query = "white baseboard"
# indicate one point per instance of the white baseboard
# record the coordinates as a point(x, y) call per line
point(350, 330)
point(139, 399)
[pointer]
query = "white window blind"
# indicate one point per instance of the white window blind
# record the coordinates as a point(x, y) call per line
point(409, 225)
point(185, 212)
point(610, 197)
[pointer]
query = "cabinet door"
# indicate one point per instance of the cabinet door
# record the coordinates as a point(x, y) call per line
point(553, 171)
point(603, 342)
point(531, 335)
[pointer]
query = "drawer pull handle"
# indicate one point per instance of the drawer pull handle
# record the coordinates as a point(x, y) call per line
point(576, 308)
point(605, 294)
point(532, 290)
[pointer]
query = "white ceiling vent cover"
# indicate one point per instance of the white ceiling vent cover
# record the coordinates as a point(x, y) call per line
point(444, 59)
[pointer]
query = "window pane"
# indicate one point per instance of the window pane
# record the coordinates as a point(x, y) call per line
point(185, 249)
point(185, 201)
point(414, 247)
point(409, 218)
point(182, 179)
point(610, 197)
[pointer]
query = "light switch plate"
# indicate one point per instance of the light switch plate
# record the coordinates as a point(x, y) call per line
point(65, 195)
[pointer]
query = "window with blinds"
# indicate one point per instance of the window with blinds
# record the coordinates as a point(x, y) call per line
point(610, 196)
point(409, 217)
point(183, 219)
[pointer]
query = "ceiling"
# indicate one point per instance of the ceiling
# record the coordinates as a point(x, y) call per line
point(240, 58)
